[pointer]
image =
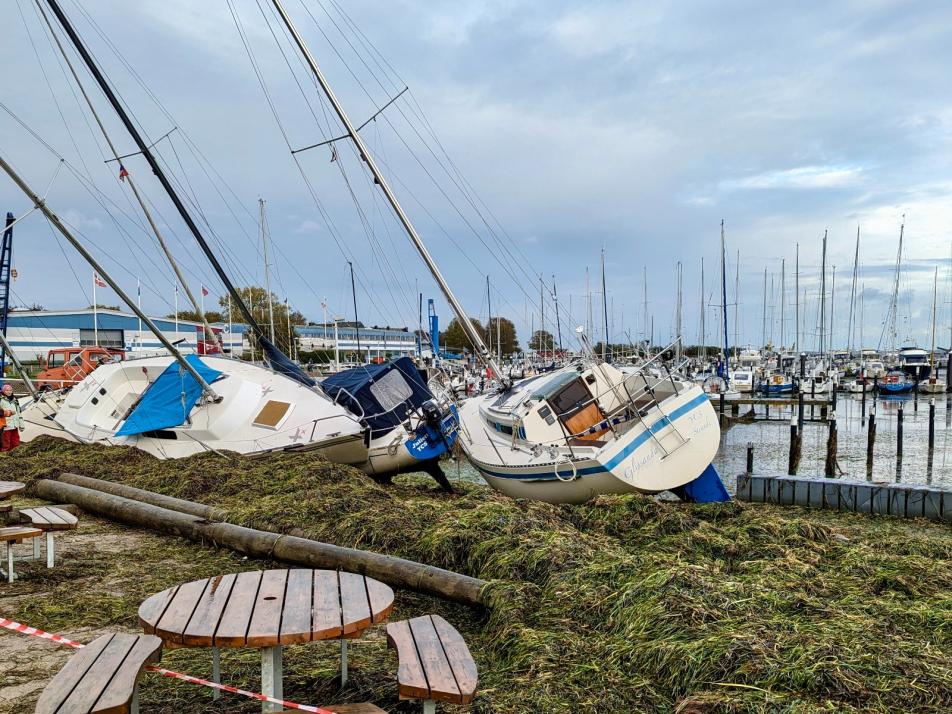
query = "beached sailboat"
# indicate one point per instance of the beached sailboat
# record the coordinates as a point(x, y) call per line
point(580, 430)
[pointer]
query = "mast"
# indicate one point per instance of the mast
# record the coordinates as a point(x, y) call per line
point(832, 306)
point(126, 176)
point(796, 301)
point(604, 310)
point(146, 152)
point(823, 297)
point(894, 303)
point(763, 335)
point(645, 302)
point(727, 379)
point(489, 324)
point(935, 295)
point(98, 269)
point(783, 298)
point(677, 316)
point(353, 292)
point(267, 267)
point(558, 320)
point(736, 300)
point(851, 324)
point(366, 157)
point(703, 351)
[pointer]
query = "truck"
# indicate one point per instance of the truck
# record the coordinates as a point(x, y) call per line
point(66, 366)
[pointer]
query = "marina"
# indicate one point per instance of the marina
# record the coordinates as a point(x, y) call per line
point(332, 389)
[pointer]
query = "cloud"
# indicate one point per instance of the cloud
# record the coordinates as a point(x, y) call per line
point(803, 177)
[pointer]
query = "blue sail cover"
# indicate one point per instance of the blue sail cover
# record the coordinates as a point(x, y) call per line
point(281, 364)
point(383, 393)
point(169, 399)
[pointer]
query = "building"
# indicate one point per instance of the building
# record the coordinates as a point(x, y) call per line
point(33, 333)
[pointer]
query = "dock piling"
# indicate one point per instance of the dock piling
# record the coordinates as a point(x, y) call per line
point(793, 461)
point(899, 418)
point(870, 442)
point(750, 458)
point(831, 443)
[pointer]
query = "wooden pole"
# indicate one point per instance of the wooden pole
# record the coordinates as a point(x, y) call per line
point(899, 417)
point(750, 458)
point(831, 444)
point(870, 442)
point(793, 461)
point(271, 546)
point(199, 510)
point(931, 425)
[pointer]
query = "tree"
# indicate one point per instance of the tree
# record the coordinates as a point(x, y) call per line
point(99, 306)
point(506, 333)
point(541, 341)
point(454, 338)
point(256, 298)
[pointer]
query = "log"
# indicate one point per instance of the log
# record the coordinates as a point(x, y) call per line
point(396, 572)
point(137, 494)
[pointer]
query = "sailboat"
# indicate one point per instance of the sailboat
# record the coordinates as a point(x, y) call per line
point(580, 430)
point(933, 385)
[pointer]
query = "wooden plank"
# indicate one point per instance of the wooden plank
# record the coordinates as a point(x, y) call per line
point(179, 611)
point(355, 607)
point(200, 631)
point(65, 680)
point(65, 519)
point(410, 676)
point(264, 629)
point(459, 656)
point(96, 680)
point(298, 602)
point(327, 621)
point(233, 626)
point(8, 488)
point(18, 534)
point(439, 673)
point(115, 700)
point(381, 599)
point(48, 518)
point(151, 610)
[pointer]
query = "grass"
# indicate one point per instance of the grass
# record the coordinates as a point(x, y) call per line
point(621, 605)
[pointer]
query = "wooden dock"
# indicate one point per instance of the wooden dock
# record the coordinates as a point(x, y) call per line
point(880, 498)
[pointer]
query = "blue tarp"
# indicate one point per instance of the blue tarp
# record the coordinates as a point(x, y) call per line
point(354, 389)
point(169, 399)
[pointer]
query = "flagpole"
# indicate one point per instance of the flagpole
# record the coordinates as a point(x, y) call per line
point(95, 312)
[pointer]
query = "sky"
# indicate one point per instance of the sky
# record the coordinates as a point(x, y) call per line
point(534, 135)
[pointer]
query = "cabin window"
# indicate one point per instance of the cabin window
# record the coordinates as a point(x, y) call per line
point(391, 390)
point(56, 359)
point(272, 413)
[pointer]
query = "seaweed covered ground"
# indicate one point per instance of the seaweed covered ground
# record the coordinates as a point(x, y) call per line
point(625, 604)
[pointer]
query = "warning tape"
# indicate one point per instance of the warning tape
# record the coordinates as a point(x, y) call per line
point(59, 639)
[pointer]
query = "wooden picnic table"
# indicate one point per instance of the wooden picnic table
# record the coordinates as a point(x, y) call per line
point(48, 519)
point(266, 610)
point(10, 488)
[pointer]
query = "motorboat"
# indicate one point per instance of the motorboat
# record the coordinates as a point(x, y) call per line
point(742, 380)
point(895, 382)
point(914, 362)
point(776, 383)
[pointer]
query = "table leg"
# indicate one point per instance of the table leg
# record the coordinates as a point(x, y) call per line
point(10, 574)
point(36, 549)
point(134, 705)
point(272, 678)
point(429, 706)
point(343, 663)
point(216, 672)
point(50, 552)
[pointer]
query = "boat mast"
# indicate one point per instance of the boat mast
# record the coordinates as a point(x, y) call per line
point(727, 379)
point(783, 297)
point(366, 157)
point(935, 295)
point(894, 304)
point(604, 310)
point(146, 152)
point(823, 297)
point(736, 299)
point(127, 177)
point(832, 306)
point(100, 271)
point(763, 335)
point(267, 267)
point(489, 324)
point(703, 350)
point(558, 319)
point(677, 317)
point(851, 324)
point(796, 301)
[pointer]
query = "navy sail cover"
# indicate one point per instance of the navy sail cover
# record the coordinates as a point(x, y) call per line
point(382, 394)
point(169, 400)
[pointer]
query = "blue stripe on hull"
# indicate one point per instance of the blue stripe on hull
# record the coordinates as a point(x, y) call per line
point(621, 455)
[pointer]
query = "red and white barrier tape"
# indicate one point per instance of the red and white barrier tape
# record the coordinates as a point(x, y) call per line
point(59, 639)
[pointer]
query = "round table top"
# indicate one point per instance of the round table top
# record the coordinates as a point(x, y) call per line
point(266, 608)
point(8, 488)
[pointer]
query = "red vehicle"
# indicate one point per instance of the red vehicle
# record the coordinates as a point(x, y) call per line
point(68, 365)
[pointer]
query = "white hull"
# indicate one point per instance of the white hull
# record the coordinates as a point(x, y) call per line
point(930, 387)
point(259, 411)
point(38, 418)
point(649, 456)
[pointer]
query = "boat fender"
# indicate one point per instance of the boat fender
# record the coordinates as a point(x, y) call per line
point(555, 468)
point(394, 445)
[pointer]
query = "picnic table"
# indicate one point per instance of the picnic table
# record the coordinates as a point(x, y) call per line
point(7, 490)
point(48, 519)
point(267, 610)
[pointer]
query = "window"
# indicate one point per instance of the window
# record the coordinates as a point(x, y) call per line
point(391, 390)
point(272, 413)
point(56, 359)
point(107, 338)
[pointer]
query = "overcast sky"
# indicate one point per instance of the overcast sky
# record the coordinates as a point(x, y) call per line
point(630, 126)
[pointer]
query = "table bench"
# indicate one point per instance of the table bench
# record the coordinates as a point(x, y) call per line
point(48, 519)
point(11, 535)
point(434, 662)
point(102, 677)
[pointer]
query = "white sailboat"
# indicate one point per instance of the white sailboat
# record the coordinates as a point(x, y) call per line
point(580, 430)
point(933, 385)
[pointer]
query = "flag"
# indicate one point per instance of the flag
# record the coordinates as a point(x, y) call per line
point(99, 282)
point(122, 172)
point(204, 291)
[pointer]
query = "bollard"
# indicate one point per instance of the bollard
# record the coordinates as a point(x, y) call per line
point(870, 441)
point(830, 467)
point(750, 458)
point(793, 460)
point(931, 425)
